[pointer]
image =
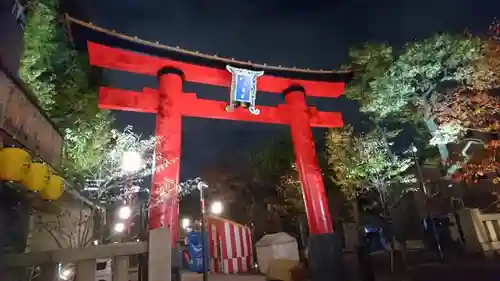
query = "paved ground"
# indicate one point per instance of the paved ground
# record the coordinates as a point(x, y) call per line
point(458, 271)
point(222, 277)
point(422, 268)
point(427, 268)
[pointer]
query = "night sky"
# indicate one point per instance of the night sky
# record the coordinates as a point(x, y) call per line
point(301, 33)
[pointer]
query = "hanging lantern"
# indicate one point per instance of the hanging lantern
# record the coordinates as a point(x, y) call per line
point(14, 163)
point(37, 177)
point(54, 188)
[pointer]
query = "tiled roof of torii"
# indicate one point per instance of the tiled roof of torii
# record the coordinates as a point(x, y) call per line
point(214, 60)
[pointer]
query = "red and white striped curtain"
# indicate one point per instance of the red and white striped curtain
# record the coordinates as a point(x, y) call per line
point(230, 246)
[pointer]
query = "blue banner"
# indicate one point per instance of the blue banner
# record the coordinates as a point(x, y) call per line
point(195, 252)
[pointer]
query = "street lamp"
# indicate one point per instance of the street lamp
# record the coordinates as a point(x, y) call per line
point(202, 185)
point(131, 161)
point(414, 151)
point(66, 274)
point(119, 227)
point(124, 212)
point(186, 222)
point(216, 208)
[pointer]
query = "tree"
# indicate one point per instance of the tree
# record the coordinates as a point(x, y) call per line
point(246, 203)
point(486, 74)
point(274, 166)
point(105, 183)
point(484, 165)
point(364, 165)
point(365, 162)
point(61, 79)
point(416, 83)
point(487, 163)
point(70, 225)
point(475, 106)
point(107, 179)
point(262, 188)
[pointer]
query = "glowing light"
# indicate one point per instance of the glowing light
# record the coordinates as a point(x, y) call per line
point(186, 223)
point(66, 274)
point(124, 212)
point(96, 242)
point(216, 208)
point(131, 161)
point(119, 227)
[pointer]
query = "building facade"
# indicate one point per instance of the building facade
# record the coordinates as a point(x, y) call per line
point(12, 19)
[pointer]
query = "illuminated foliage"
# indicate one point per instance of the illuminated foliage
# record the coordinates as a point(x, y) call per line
point(107, 180)
point(365, 162)
point(413, 78)
point(476, 106)
point(445, 83)
point(262, 189)
point(60, 78)
point(486, 73)
point(485, 164)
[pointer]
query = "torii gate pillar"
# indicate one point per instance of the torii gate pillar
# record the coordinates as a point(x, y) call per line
point(323, 254)
point(164, 192)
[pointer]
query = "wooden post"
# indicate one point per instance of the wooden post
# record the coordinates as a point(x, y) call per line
point(160, 255)
point(85, 270)
point(121, 268)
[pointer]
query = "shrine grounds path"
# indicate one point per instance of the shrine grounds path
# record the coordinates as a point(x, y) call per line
point(222, 277)
point(423, 267)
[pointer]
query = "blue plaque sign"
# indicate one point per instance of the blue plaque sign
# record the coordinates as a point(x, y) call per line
point(243, 89)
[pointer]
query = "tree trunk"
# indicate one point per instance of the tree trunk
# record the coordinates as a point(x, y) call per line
point(442, 148)
point(364, 260)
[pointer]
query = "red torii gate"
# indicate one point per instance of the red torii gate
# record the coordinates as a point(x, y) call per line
point(170, 103)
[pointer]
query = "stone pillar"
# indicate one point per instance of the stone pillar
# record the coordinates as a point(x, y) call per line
point(85, 270)
point(121, 268)
point(160, 253)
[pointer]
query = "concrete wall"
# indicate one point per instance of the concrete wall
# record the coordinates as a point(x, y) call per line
point(69, 225)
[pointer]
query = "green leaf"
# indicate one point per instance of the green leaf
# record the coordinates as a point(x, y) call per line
point(60, 78)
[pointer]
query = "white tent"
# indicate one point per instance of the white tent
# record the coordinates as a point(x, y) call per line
point(276, 246)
